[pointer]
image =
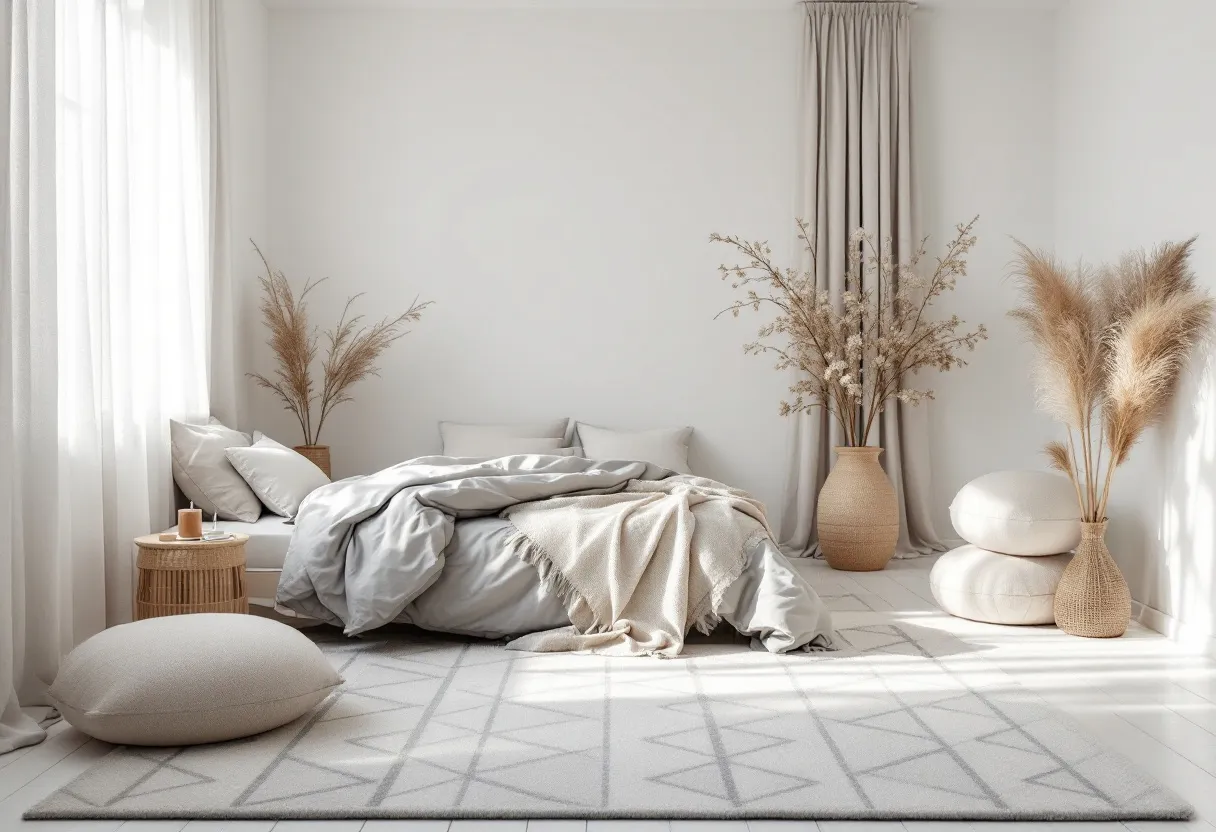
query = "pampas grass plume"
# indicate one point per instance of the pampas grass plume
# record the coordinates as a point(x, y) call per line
point(1113, 346)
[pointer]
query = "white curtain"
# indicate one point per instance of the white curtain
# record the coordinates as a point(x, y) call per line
point(108, 202)
point(29, 445)
point(856, 141)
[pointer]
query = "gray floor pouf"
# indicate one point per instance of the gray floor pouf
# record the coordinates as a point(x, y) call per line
point(188, 679)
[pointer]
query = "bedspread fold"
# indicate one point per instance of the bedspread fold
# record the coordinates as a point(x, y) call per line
point(639, 568)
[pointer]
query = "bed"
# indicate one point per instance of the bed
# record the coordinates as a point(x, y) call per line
point(476, 547)
point(470, 577)
point(597, 550)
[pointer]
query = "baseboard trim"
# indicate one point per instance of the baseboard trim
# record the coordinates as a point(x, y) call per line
point(1188, 635)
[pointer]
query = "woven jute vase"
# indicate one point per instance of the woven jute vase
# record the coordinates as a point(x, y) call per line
point(1092, 599)
point(857, 516)
point(318, 455)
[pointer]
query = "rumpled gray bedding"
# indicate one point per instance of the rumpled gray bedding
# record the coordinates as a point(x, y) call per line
point(421, 543)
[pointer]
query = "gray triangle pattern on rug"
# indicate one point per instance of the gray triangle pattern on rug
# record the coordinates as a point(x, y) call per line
point(434, 727)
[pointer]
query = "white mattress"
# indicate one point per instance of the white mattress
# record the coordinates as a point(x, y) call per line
point(268, 539)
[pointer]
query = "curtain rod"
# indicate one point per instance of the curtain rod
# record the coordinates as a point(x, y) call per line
point(911, 3)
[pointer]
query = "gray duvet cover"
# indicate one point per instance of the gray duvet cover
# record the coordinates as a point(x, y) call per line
point(421, 543)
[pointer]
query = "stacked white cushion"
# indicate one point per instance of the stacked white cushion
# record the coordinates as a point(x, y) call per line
point(1019, 527)
point(1018, 513)
point(187, 679)
point(280, 477)
point(975, 583)
point(665, 447)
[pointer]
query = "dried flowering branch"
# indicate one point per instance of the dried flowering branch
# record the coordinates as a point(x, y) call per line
point(854, 350)
point(351, 350)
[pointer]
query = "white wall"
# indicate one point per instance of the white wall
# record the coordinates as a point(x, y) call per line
point(983, 136)
point(1136, 165)
point(549, 178)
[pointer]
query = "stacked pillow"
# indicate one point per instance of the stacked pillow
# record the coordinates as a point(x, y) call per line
point(477, 440)
point(1019, 527)
point(665, 447)
point(228, 473)
point(279, 476)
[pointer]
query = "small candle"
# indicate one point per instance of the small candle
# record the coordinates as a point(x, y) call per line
point(190, 522)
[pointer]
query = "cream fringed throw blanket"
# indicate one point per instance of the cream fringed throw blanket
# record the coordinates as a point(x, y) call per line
point(639, 568)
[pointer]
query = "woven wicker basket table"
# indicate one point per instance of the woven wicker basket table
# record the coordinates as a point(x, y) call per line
point(179, 577)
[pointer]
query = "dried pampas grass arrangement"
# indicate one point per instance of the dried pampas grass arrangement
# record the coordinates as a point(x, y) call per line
point(1112, 346)
point(351, 350)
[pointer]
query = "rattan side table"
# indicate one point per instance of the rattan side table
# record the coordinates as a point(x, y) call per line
point(179, 577)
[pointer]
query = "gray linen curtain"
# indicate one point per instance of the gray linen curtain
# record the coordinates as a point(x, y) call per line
point(856, 172)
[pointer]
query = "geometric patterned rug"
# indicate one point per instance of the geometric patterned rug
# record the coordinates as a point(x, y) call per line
point(436, 727)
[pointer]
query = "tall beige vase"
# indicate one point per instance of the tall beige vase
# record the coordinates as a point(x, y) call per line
point(1092, 599)
point(857, 517)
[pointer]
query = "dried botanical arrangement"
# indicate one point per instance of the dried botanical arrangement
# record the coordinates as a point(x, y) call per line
point(351, 350)
point(1112, 345)
point(856, 349)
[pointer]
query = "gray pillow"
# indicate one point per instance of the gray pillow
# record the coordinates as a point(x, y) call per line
point(202, 471)
point(188, 679)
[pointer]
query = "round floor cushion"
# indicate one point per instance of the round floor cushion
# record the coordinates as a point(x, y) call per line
point(974, 583)
point(1018, 513)
point(188, 679)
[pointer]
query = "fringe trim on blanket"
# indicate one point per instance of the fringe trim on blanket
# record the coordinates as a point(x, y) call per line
point(704, 616)
point(551, 578)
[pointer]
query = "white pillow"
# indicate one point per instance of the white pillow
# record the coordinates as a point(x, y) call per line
point(1018, 513)
point(215, 421)
point(279, 476)
point(187, 679)
point(496, 446)
point(665, 447)
point(459, 431)
point(204, 474)
point(974, 583)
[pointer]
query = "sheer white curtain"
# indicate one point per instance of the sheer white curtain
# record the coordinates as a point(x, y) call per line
point(29, 450)
point(109, 340)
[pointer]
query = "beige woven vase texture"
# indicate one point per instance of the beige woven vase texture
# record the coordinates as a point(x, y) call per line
point(857, 515)
point(1092, 599)
point(318, 455)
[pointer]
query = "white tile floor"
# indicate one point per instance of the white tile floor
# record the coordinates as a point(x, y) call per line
point(1141, 694)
